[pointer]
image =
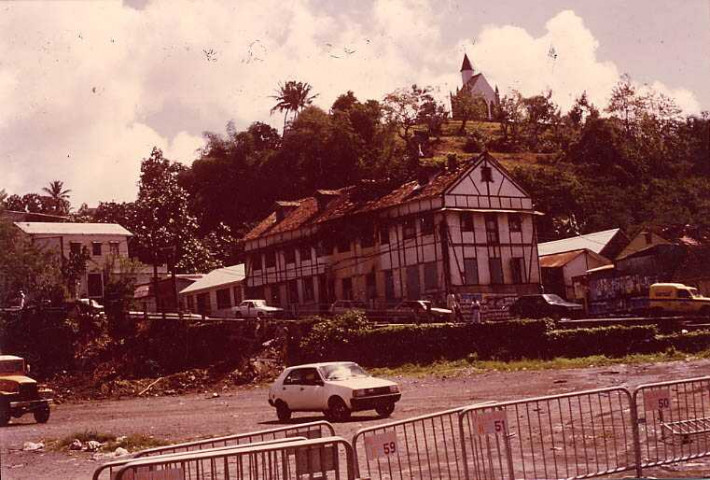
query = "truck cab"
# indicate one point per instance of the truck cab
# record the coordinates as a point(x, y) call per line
point(676, 298)
point(18, 392)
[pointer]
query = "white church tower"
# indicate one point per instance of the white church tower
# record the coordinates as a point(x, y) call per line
point(476, 84)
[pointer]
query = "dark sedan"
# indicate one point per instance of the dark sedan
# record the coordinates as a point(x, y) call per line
point(545, 305)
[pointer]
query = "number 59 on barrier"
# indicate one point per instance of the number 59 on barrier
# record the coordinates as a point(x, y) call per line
point(381, 445)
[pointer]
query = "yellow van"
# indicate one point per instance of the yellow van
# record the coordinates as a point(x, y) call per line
point(676, 298)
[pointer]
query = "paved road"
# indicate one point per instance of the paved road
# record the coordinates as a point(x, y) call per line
point(245, 409)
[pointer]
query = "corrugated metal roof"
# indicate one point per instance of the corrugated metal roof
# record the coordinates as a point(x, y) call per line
point(591, 241)
point(559, 259)
point(49, 228)
point(221, 276)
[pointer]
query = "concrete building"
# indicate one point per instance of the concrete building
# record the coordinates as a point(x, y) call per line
point(477, 85)
point(468, 228)
point(104, 242)
point(215, 293)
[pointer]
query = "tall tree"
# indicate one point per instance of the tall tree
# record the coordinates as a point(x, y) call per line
point(59, 197)
point(292, 96)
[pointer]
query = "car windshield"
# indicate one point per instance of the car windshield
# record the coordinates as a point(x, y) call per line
point(342, 371)
point(552, 298)
point(12, 367)
point(259, 303)
point(694, 293)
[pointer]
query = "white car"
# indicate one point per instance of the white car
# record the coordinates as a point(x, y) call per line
point(334, 388)
point(256, 309)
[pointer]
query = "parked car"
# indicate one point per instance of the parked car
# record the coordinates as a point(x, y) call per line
point(334, 388)
point(545, 305)
point(421, 311)
point(256, 309)
point(19, 393)
point(342, 306)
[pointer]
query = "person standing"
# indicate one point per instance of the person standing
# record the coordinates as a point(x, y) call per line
point(476, 311)
point(451, 305)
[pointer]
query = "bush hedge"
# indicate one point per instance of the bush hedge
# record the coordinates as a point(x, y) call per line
point(692, 342)
point(337, 339)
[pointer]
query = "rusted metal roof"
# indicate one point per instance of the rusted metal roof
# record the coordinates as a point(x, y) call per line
point(559, 259)
point(364, 197)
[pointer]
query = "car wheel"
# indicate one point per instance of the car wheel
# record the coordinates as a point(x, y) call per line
point(42, 415)
point(337, 410)
point(4, 412)
point(385, 411)
point(282, 411)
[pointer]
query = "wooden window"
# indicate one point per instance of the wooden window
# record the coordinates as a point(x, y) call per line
point(237, 295)
point(75, 248)
point(309, 293)
point(470, 271)
point(367, 236)
point(293, 291)
point(96, 249)
point(113, 248)
point(96, 285)
point(290, 255)
point(371, 285)
point(304, 252)
point(191, 303)
point(343, 244)
point(517, 269)
point(515, 223)
point(492, 229)
point(466, 220)
point(389, 285)
point(203, 304)
point(270, 259)
point(384, 235)
point(426, 224)
point(256, 262)
point(223, 298)
point(409, 229)
point(496, 268)
point(347, 285)
point(486, 174)
point(430, 276)
point(413, 283)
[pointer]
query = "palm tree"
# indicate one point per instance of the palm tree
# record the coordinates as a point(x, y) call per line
point(292, 96)
point(59, 197)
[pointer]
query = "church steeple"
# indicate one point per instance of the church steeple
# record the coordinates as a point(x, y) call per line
point(466, 69)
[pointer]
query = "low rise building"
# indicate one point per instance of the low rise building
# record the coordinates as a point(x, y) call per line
point(104, 242)
point(215, 293)
point(467, 228)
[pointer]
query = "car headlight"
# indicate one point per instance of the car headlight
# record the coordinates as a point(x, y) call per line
point(394, 389)
point(359, 393)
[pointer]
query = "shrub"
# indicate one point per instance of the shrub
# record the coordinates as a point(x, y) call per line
point(328, 337)
point(615, 341)
point(692, 342)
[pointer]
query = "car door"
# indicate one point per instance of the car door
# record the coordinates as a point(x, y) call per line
point(312, 392)
point(291, 389)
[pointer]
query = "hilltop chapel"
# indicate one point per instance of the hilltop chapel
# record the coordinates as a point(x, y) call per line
point(477, 85)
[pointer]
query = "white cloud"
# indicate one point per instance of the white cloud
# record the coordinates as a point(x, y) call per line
point(563, 59)
point(88, 88)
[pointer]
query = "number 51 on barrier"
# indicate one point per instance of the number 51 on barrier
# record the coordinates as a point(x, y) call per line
point(489, 423)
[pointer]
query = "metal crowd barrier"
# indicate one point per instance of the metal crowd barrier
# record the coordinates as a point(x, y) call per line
point(325, 458)
point(112, 467)
point(571, 436)
point(308, 430)
point(426, 447)
point(673, 421)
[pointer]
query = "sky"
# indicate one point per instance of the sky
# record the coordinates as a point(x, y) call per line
point(88, 88)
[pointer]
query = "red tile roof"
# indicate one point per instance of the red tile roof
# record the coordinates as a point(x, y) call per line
point(364, 197)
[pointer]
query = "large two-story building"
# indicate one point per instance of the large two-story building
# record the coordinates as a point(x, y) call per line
point(104, 242)
point(467, 228)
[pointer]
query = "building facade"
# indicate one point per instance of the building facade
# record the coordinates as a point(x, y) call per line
point(104, 242)
point(467, 228)
point(215, 293)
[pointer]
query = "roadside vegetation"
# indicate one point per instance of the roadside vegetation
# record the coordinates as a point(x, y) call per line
point(108, 442)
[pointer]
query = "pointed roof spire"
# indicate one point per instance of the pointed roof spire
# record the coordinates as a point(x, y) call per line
point(466, 64)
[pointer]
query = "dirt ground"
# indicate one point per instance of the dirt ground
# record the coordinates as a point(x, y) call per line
point(245, 409)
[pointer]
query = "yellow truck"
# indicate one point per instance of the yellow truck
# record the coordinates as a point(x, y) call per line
point(19, 393)
point(677, 299)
